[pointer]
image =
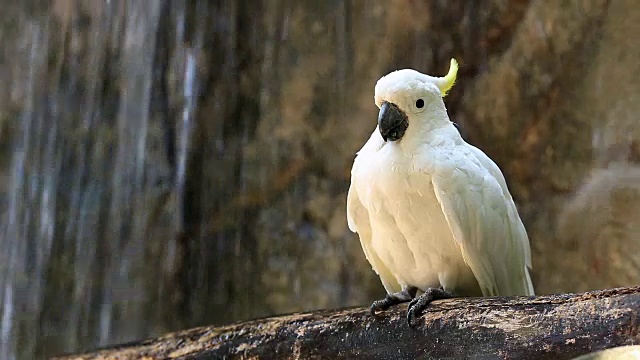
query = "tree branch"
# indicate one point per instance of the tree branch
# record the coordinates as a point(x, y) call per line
point(544, 327)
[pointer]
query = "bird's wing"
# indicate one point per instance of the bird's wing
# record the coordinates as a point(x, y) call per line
point(519, 228)
point(484, 221)
point(359, 222)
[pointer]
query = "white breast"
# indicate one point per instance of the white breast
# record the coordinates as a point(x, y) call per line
point(410, 233)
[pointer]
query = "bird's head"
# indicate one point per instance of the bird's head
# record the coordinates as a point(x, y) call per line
point(408, 98)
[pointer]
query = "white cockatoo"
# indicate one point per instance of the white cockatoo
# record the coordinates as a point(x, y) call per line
point(433, 213)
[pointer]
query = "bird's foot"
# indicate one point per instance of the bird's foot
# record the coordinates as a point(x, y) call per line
point(406, 295)
point(418, 304)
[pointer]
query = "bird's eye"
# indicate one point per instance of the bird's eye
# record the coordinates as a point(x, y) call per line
point(419, 103)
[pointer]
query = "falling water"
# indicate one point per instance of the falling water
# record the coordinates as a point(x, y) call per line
point(74, 240)
point(26, 244)
point(103, 212)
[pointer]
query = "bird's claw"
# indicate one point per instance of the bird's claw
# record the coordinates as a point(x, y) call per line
point(417, 304)
point(415, 309)
point(420, 303)
point(381, 305)
point(389, 300)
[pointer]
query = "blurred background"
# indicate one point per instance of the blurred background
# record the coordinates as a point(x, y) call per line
point(166, 164)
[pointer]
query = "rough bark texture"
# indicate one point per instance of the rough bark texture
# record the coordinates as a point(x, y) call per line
point(546, 327)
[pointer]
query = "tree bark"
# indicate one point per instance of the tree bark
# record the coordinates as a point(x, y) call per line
point(544, 327)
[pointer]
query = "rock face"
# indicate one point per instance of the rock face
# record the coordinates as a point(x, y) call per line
point(599, 226)
point(183, 163)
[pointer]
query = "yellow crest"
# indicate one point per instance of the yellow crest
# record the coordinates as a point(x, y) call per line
point(445, 83)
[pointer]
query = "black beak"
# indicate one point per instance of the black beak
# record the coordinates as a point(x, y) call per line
point(392, 122)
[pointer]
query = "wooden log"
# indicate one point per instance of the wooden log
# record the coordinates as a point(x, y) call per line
point(543, 327)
